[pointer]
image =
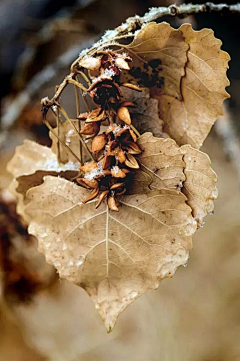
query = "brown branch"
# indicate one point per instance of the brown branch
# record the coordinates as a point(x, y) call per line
point(131, 24)
point(35, 85)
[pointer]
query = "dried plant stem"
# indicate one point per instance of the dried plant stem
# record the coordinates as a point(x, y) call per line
point(61, 141)
point(79, 121)
point(76, 130)
point(121, 32)
point(135, 130)
point(58, 143)
point(76, 83)
point(35, 85)
point(84, 77)
point(125, 30)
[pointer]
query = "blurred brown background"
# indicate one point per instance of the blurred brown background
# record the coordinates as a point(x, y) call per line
point(193, 317)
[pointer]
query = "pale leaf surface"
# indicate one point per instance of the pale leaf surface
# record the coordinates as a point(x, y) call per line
point(166, 165)
point(188, 121)
point(200, 184)
point(145, 115)
point(114, 256)
point(161, 161)
point(160, 55)
point(32, 161)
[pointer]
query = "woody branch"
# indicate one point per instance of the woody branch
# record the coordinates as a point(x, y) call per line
point(129, 26)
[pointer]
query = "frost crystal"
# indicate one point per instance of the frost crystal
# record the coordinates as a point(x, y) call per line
point(94, 173)
point(52, 164)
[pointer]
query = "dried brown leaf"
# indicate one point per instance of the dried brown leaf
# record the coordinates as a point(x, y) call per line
point(160, 55)
point(166, 165)
point(189, 120)
point(200, 184)
point(161, 161)
point(31, 162)
point(145, 115)
point(114, 256)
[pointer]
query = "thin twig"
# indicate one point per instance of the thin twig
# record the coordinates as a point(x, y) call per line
point(77, 132)
point(60, 140)
point(135, 22)
point(121, 31)
point(35, 85)
point(58, 143)
point(79, 121)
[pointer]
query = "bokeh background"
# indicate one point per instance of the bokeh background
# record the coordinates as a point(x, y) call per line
point(193, 317)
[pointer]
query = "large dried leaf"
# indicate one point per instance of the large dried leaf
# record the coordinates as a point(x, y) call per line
point(145, 115)
point(166, 165)
point(114, 256)
point(160, 55)
point(200, 184)
point(190, 81)
point(162, 163)
point(31, 162)
point(189, 120)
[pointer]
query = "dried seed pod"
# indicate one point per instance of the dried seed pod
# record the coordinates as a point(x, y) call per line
point(122, 192)
point(121, 156)
point(107, 161)
point(103, 174)
point(117, 186)
point(83, 116)
point(128, 104)
point(124, 115)
point(90, 129)
point(112, 204)
point(95, 115)
point(90, 63)
point(86, 183)
point(132, 86)
point(88, 167)
point(117, 172)
point(92, 195)
point(101, 198)
point(133, 148)
point(121, 63)
point(99, 143)
point(133, 135)
point(131, 161)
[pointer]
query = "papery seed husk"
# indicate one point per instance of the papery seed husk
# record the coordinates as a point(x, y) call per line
point(90, 63)
point(101, 198)
point(88, 167)
point(133, 135)
point(128, 104)
point(90, 129)
point(122, 64)
point(124, 115)
point(132, 86)
point(107, 161)
point(87, 183)
point(121, 156)
point(99, 143)
point(92, 195)
point(118, 174)
point(133, 148)
point(95, 115)
point(117, 185)
point(131, 161)
point(83, 116)
point(112, 204)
